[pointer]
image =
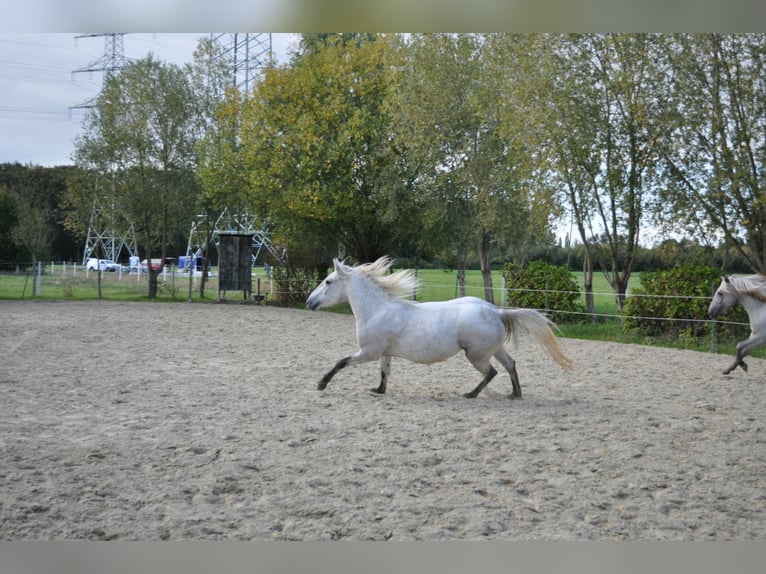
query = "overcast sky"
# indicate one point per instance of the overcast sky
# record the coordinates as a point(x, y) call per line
point(38, 89)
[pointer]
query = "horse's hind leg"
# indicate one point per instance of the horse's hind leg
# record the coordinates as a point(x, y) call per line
point(385, 369)
point(485, 368)
point(510, 365)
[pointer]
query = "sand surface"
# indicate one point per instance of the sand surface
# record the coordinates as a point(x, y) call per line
point(132, 421)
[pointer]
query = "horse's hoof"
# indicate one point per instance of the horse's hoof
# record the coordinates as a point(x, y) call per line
point(743, 365)
point(377, 391)
point(322, 385)
point(514, 396)
point(469, 395)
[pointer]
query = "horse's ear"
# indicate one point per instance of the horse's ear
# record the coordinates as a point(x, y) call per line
point(339, 267)
point(725, 279)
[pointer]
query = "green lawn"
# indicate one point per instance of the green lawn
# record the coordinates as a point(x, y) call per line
point(79, 286)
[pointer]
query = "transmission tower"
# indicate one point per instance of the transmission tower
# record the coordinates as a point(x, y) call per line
point(247, 55)
point(103, 235)
point(104, 232)
point(112, 60)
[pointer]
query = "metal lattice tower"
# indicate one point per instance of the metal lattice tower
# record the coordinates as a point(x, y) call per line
point(247, 54)
point(107, 233)
point(103, 230)
point(112, 60)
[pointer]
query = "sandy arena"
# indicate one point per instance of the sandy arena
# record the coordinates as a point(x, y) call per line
point(133, 421)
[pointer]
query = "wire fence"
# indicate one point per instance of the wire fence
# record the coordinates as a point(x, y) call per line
point(71, 280)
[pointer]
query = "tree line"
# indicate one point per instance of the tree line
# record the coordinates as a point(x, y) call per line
point(460, 148)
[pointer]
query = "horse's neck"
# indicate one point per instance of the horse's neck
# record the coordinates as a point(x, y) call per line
point(365, 297)
point(755, 308)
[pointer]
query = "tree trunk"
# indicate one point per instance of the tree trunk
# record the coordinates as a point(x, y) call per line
point(620, 290)
point(98, 269)
point(208, 249)
point(203, 280)
point(461, 278)
point(152, 279)
point(486, 272)
point(587, 268)
point(152, 276)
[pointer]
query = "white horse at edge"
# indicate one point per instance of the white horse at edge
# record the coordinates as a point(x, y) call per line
point(751, 293)
point(388, 326)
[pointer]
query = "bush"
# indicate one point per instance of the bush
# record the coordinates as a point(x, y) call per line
point(545, 287)
point(680, 297)
point(292, 285)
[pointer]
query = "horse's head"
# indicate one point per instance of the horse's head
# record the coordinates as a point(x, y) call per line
point(332, 290)
point(723, 298)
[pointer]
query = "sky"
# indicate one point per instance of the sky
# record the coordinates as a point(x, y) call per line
point(40, 93)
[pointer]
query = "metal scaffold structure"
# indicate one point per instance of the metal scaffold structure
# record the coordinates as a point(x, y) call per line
point(246, 56)
point(226, 222)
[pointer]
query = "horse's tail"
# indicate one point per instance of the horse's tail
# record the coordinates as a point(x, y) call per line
point(540, 327)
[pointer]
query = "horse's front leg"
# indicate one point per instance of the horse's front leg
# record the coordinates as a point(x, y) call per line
point(743, 349)
point(361, 356)
point(738, 362)
point(338, 366)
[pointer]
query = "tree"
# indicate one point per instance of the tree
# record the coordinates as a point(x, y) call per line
point(472, 160)
point(605, 94)
point(32, 230)
point(42, 189)
point(9, 219)
point(714, 152)
point(140, 136)
point(315, 139)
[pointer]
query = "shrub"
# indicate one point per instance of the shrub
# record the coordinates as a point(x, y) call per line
point(680, 297)
point(292, 285)
point(545, 287)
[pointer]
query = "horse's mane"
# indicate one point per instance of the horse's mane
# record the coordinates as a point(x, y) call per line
point(399, 284)
point(753, 285)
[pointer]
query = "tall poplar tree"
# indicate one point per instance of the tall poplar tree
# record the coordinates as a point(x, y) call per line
point(715, 149)
point(454, 109)
point(140, 137)
point(605, 93)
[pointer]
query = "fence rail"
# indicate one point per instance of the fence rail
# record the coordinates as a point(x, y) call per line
point(71, 280)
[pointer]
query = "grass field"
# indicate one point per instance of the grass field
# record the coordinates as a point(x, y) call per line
point(437, 285)
point(66, 283)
